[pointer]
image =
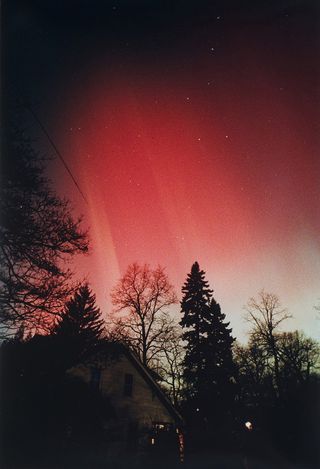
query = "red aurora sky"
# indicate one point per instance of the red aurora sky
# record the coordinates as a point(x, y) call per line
point(200, 143)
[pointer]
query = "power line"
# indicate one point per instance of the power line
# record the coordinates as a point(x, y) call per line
point(55, 149)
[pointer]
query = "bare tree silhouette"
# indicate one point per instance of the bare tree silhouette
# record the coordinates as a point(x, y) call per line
point(265, 314)
point(39, 236)
point(143, 294)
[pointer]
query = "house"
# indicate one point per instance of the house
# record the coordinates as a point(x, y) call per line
point(145, 421)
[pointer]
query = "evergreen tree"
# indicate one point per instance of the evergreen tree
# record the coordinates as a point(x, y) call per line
point(208, 366)
point(194, 305)
point(80, 329)
point(221, 367)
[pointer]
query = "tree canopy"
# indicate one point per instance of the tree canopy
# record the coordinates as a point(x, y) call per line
point(80, 329)
point(266, 314)
point(208, 365)
point(143, 295)
point(39, 236)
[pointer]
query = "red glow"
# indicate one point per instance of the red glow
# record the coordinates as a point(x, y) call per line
point(172, 175)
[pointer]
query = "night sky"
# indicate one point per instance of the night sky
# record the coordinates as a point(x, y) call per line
point(192, 129)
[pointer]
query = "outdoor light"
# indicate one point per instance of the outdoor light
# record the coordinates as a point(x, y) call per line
point(249, 425)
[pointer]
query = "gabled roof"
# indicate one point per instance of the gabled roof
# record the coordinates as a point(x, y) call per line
point(114, 349)
point(145, 373)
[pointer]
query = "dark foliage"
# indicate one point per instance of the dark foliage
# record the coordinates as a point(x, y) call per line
point(285, 424)
point(194, 306)
point(46, 413)
point(209, 370)
point(78, 333)
point(38, 237)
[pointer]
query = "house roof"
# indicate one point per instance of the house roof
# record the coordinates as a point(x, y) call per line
point(115, 349)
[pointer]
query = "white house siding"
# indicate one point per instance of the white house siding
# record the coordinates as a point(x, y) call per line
point(143, 407)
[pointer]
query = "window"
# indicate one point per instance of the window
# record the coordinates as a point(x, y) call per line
point(128, 385)
point(95, 378)
point(162, 426)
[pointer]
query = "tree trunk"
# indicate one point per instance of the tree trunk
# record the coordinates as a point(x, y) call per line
point(144, 345)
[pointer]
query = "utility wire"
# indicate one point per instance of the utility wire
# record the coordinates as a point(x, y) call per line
point(28, 107)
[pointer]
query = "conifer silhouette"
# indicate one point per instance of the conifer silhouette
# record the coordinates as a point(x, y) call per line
point(208, 365)
point(80, 329)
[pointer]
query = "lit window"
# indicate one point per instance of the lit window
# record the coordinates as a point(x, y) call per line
point(162, 426)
